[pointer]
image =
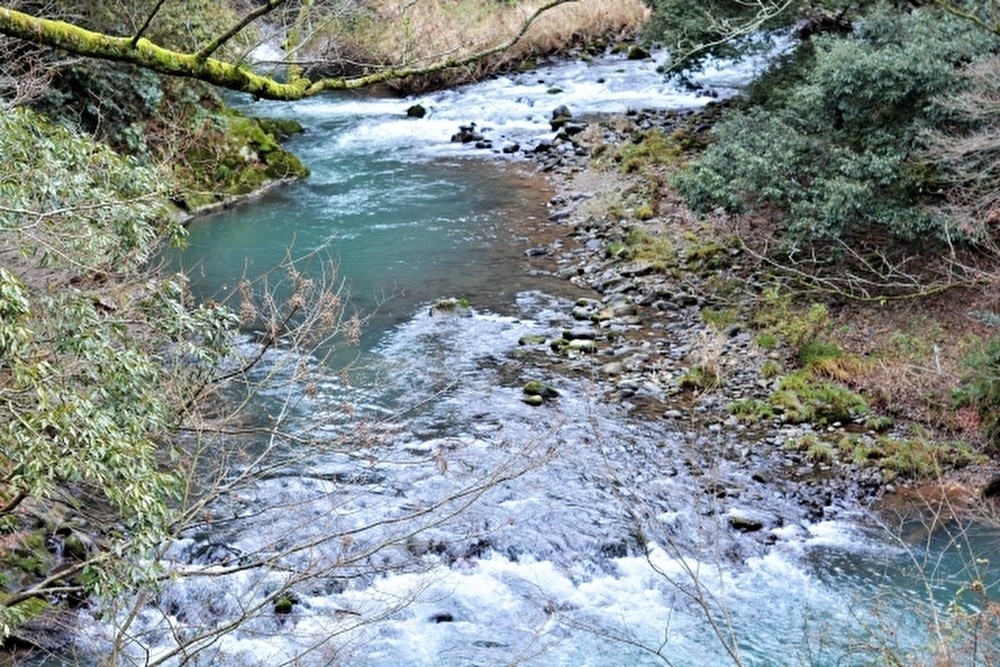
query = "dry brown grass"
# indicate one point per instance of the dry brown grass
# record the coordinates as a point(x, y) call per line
point(411, 33)
point(914, 351)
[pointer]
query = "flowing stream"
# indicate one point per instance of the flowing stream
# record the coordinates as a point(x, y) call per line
point(471, 528)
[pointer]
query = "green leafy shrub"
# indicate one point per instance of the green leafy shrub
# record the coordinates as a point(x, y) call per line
point(832, 151)
point(98, 359)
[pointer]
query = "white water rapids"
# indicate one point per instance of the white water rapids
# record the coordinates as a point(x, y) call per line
point(462, 526)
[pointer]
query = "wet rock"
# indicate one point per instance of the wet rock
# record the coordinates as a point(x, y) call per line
point(532, 400)
point(537, 251)
point(745, 524)
point(537, 392)
point(638, 53)
point(532, 340)
point(442, 617)
point(510, 148)
point(561, 115)
point(416, 111)
point(581, 345)
point(579, 334)
point(49, 629)
point(466, 134)
point(284, 604)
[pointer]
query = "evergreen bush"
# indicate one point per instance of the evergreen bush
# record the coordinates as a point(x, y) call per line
point(831, 148)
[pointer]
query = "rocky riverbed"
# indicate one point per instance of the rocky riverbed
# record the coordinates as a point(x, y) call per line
point(645, 333)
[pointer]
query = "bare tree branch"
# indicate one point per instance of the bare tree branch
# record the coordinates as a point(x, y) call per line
point(149, 19)
point(216, 43)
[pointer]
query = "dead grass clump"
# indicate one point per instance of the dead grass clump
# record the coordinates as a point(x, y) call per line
point(914, 352)
point(402, 33)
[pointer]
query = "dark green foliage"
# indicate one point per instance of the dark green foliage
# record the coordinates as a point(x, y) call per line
point(830, 148)
point(107, 100)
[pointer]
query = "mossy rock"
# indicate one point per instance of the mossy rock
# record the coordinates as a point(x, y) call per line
point(637, 52)
point(30, 556)
point(284, 605)
point(235, 155)
point(451, 307)
point(581, 345)
point(536, 388)
point(282, 128)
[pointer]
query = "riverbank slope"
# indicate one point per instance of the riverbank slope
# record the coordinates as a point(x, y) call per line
point(704, 329)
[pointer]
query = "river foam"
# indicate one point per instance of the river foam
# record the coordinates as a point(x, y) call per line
point(442, 520)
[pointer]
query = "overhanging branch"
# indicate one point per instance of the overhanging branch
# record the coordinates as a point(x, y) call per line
point(201, 66)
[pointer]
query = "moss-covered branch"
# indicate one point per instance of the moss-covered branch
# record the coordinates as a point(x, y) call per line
point(144, 53)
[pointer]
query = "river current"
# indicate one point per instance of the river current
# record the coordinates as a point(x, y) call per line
point(434, 518)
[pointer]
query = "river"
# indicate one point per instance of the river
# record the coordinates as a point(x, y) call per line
point(433, 517)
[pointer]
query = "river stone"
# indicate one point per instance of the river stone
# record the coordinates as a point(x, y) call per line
point(284, 605)
point(416, 111)
point(50, 630)
point(560, 116)
point(638, 53)
point(613, 368)
point(635, 269)
point(560, 215)
point(582, 345)
point(538, 388)
point(624, 309)
point(466, 134)
point(579, 334)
